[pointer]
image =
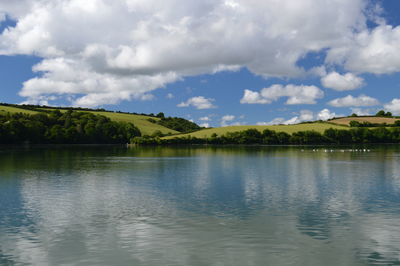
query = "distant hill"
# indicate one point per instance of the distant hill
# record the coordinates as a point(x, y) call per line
point(151, 124)
point(140, 121)
point(316, 126)
point(371, 119)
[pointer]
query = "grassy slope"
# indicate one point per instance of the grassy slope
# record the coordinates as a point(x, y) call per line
point(320, 127)
point(9, 109)
point(148, 128)
point(371, 119)
point(140, 121)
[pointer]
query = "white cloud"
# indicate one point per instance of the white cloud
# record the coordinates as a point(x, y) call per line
point(169, 96)
point(295, 94)
point(275, 121)
point(227, 118)
point(205, 118)
point(126, 48)
point(281, 121)
point(393, 106)
point(304, 116)
point(350, 101)
point(253, 97)
point(325, 114)
point(363, 111)
point(207, 125)
point(198, 102)
point(373, 51)
point(340, 82)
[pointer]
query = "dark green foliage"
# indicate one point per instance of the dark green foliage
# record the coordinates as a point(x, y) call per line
point(146, 140)
point(161, 115)
point(64, 128)
point(369, 124)
point(178, 124)
point(355, 124)
point(269, 137)
point(338, 136)
point(382, 113)
point(307, 137)
point(157, 133)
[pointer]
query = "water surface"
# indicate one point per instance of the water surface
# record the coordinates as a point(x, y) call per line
point(114, 205)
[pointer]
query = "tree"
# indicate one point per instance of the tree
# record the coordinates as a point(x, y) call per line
point(380, 113)
point(161, 115)
point(58, 128)
point(355, 124)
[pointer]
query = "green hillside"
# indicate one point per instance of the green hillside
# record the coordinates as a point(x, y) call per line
point(318, 126)
point(11, 109)
point(140, 121)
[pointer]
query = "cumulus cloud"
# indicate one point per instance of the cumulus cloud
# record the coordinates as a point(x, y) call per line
point(295, 94)
point(105, 51)
point(393, 106)
point(253, 97)
point(227, 120)
point(205, 118)
point(351, 101)
point(373, 51)
point(325, 114)
point(304, 116)
point(198, 102)
point(363, 111)
point(206, 125)
point(340, 82)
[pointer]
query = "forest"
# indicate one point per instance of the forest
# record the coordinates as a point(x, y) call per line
point(70, 127)
point(359, 135)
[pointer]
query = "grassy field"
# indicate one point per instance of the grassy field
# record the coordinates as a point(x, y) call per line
point(205, 133)
point(10, 109)
point(148, 128)
point(371, 119)
point(141, 121)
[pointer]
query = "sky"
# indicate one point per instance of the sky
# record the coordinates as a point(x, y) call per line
point(215, 62)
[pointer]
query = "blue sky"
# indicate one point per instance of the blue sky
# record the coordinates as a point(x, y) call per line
point(292, 71)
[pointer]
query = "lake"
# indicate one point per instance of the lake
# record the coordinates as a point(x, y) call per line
point(114, 205)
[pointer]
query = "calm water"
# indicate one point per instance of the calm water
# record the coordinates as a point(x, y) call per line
point(199, 206)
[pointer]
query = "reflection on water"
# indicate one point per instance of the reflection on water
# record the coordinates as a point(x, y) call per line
point(199, 206)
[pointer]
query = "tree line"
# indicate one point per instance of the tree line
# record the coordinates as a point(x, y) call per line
point(47, 109)
point(176, 123)
point(70, 127)
point(369, 124)
point(270, 137)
